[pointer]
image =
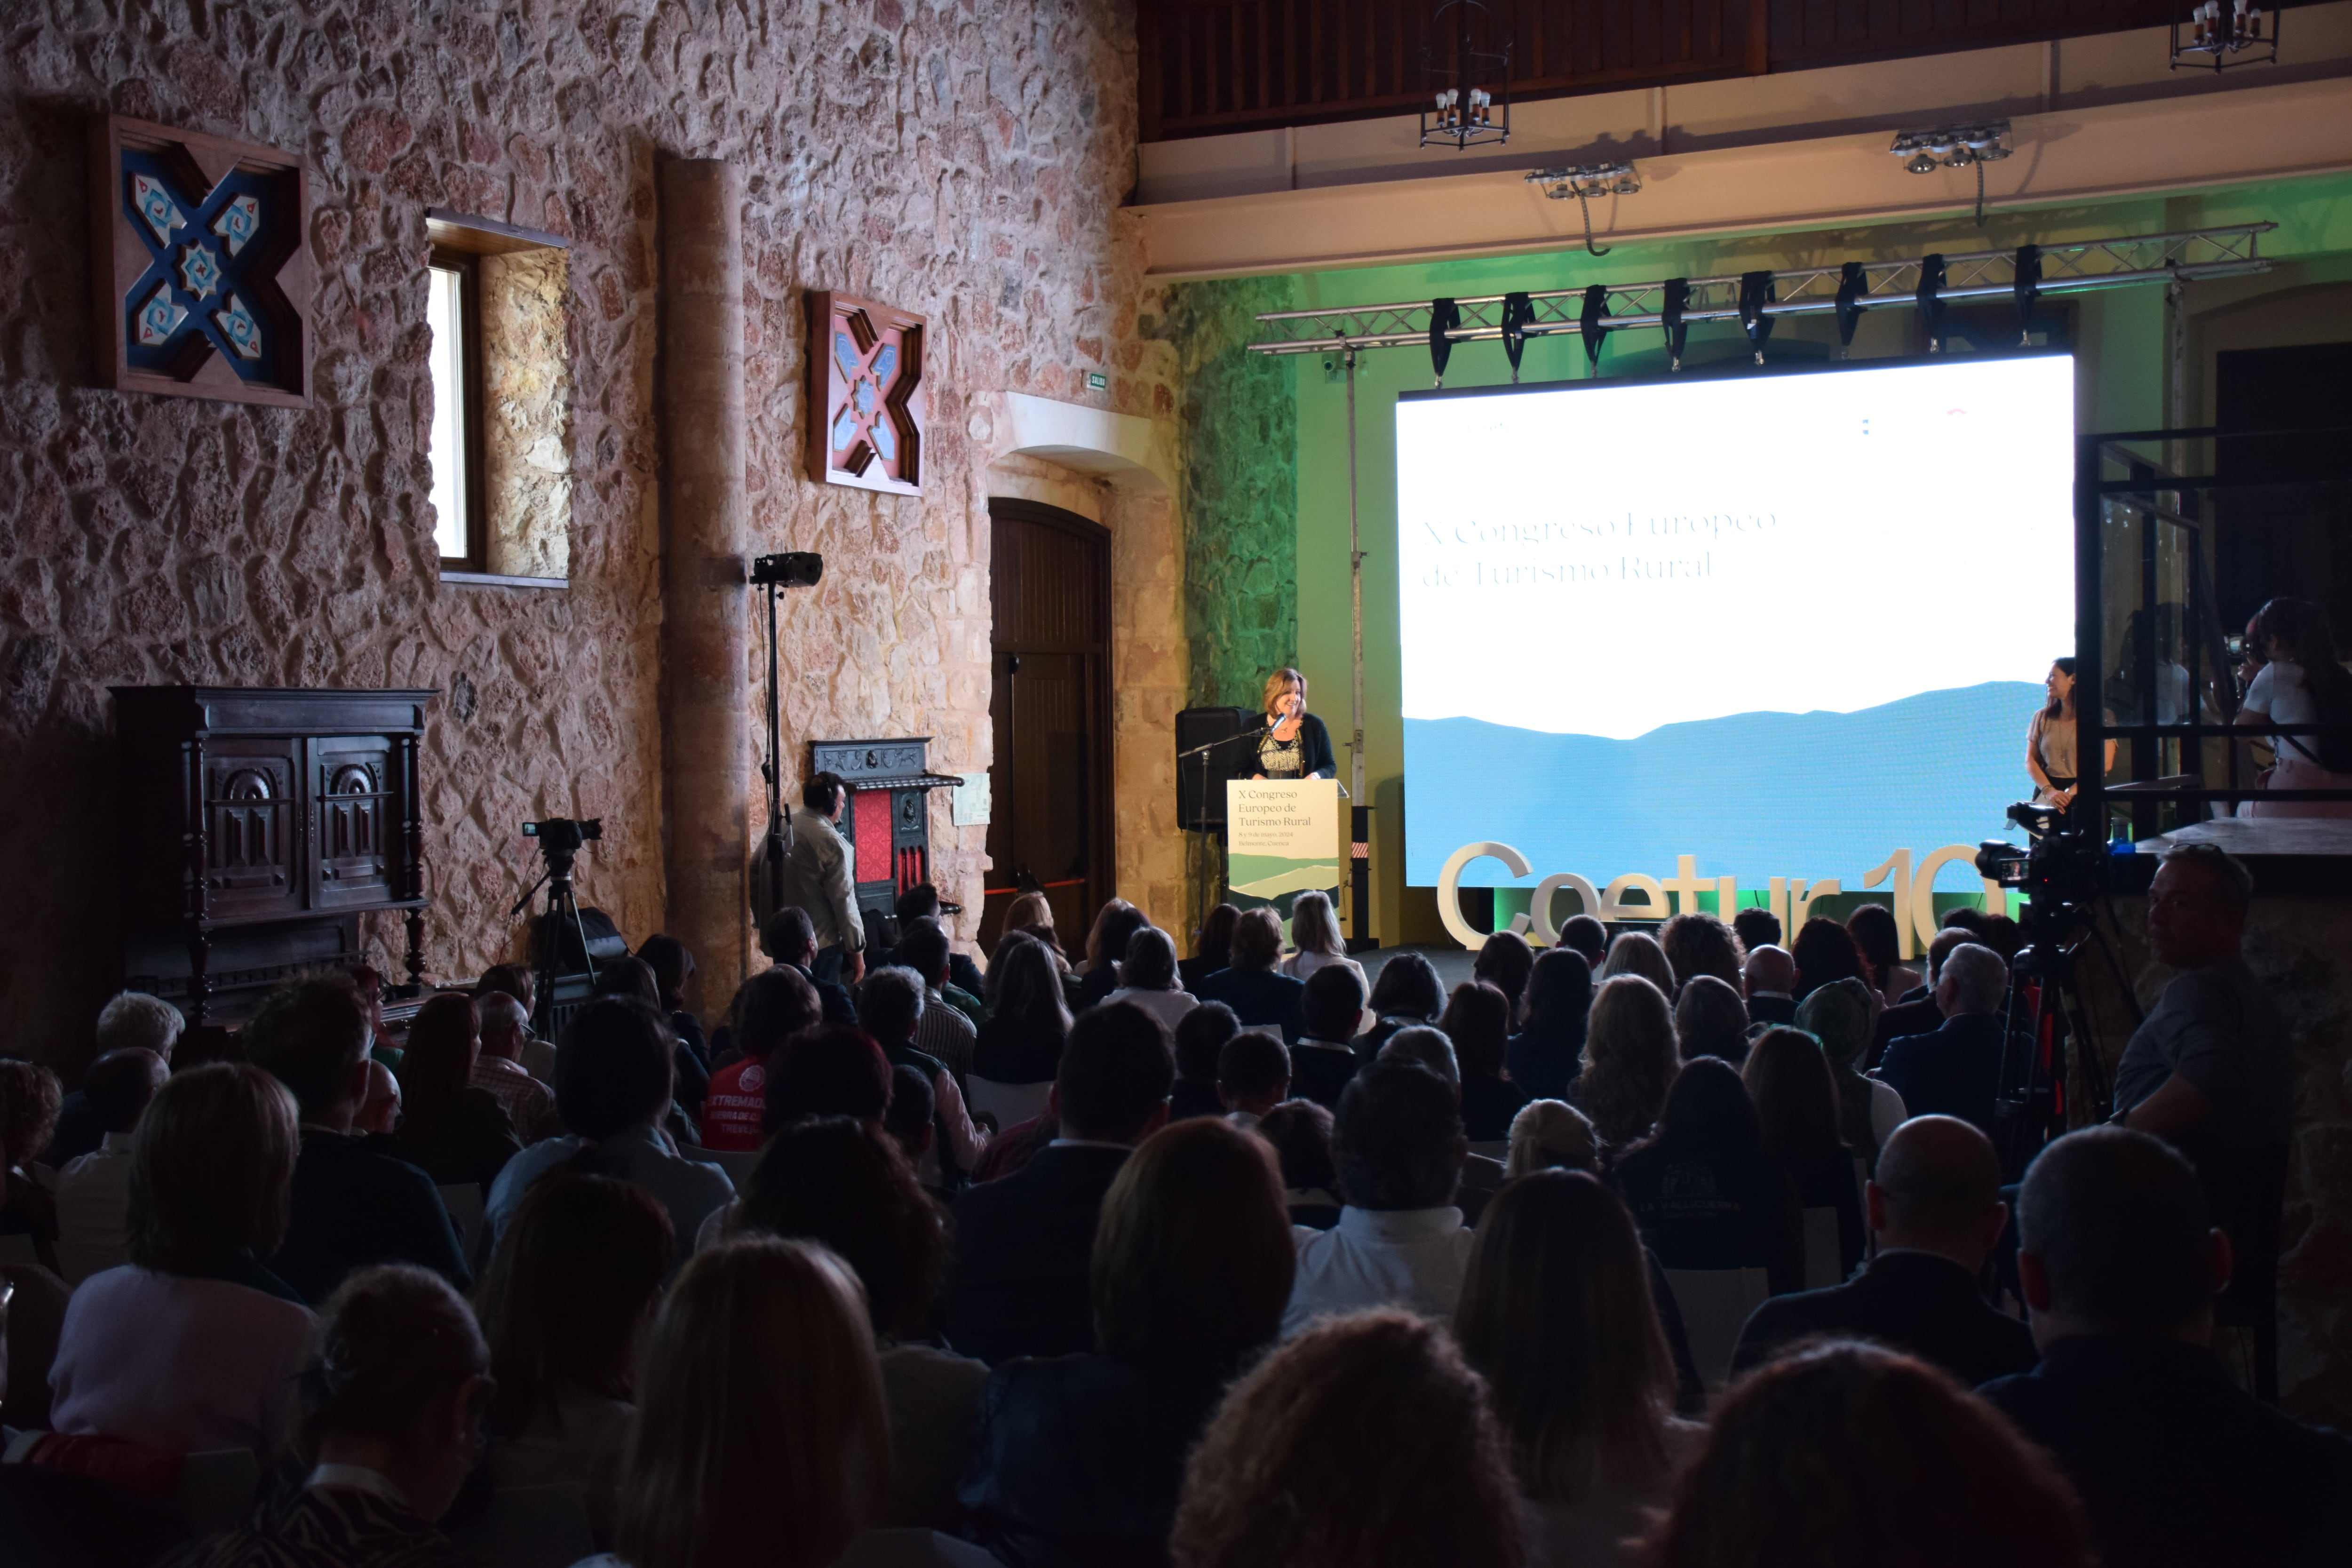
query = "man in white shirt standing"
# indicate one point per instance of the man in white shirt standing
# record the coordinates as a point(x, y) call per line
point(1400, 1241)
point(821, 877)
point(94, 1189)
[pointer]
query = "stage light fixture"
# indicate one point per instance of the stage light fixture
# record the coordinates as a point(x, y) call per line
point(1583, 182)
point(1955, 147)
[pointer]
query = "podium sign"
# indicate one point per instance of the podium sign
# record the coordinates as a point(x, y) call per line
point(1282, 840)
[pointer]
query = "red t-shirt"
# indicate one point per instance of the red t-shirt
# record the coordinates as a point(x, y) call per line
point(733, 1106)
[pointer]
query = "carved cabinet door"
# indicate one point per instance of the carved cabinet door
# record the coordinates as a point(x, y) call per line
point(253, 851)
point(354, 804)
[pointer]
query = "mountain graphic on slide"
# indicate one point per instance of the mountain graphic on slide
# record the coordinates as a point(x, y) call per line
point(1753, 795)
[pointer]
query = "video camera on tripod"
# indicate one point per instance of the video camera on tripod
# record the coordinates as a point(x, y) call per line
point(560, 841)
point(2063, 870)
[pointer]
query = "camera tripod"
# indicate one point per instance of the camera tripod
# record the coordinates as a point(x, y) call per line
point(2044, 1016)
point(562, 912)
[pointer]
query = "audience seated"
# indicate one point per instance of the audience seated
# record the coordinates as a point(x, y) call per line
point(1710, 1020)
point(1956, 1069)
point(1838, 1014)
point(1406, 992)
point(833, 1069)
point(391, 1406)
point(1329, 1012)
point(1505, 961)
point(1212, 947)
point(1364, 1443)
point(378, 1117)
point(1542, 1056)
point(1698, 943)
point(1550, 1135)
point(499, 1073)
point(194, 1345)
point(891, 1002)
point(1079, 1458)
point(1251, 985)
point(1586, 935)
point(352, 1205)
point(131, 1021)
point(571, 1288)
point(1025, 1244)
point(1200, 1040)
point(672, 964)
point(1028, 1017)
point(770, 1008)
point(1482, 1174)
point(2120, 1266)
point(1756, 926)
point(945, 1033)
point(1825, 954)
point(93, 1192)
point(29, 1099)
point(1917, 1013)
point(450, 1130)
point(789, 937)
point(912, 1122)
point(1314, 933)
point(1400, 1241)
point(1556, 1315)
point(1702, 1189)
point(1879, 940)
point(1299, 1132)
point(518, 982)
point(1147, 978)
point(1797, 1116)
point(1253, 1075)
point(1766, 982)
point(761, 1435)
point(1115, 926)
point(1847, 1456)
point(1630, 1055)
point(1638, 953)
point(1477, 1020)
point(1032, 914)
point(842, 1184)
point(1936, 1209)
point(965, 985)
point(612, 1085)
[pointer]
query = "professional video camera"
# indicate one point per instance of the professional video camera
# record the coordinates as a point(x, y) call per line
point(563, 833)
point(2060, 869)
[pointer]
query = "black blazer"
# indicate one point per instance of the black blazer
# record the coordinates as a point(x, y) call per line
point(1315, 755)
point(1260, 998)
point(1919, 1015)
point(1024, 1247)
point(1767, 1011)
point(1952, 1072)
point(353, 1206)
point(2175, 1464)
point(1915, 1301)
point(1320, 1070)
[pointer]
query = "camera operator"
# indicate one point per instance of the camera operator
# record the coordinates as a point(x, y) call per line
point(821, 877)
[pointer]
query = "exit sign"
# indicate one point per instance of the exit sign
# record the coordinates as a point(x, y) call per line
point(1097, 381)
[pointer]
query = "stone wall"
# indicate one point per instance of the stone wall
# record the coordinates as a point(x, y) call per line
point(962, 158)
point(527, 412)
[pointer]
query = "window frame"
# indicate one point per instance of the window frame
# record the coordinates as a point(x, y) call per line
point(474, 486)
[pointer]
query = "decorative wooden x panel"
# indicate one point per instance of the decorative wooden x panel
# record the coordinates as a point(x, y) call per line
point(864, 394)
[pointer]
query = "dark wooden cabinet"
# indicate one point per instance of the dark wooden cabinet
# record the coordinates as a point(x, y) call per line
point(259, 824)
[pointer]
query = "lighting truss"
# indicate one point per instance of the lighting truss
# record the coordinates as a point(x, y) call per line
point(1753, 298)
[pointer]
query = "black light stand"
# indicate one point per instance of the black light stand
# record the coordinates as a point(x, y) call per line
point(794, 569)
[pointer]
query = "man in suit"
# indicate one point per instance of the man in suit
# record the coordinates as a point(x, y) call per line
point(789, 937)
point(1956, 1069)
point(1765, 981)
point(1020, 1281)
point(2119, 1260)
point(1936, 1210)
point(352, 1206)
point(1917, 1013)
point(820, 877)
point(1260, 995)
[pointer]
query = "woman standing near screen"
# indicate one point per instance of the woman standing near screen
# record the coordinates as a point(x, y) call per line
point(1293, 744)
point(2050, 750)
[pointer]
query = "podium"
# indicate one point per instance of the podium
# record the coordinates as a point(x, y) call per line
point(1282, 839)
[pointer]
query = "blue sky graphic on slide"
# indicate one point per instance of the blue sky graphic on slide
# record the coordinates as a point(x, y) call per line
point(1753, 795)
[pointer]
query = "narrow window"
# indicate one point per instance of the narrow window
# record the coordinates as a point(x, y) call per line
point(454, 313)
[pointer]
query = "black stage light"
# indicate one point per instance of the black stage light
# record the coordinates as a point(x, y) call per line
point(793, 569)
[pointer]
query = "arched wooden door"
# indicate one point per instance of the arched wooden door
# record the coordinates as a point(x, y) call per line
point(1049, 786)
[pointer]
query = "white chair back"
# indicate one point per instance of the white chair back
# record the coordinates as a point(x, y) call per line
point(216, 1488)
point(1010, 1103)
point(1715, 1304)
point(911, 1548)
point(464, 1201)
point(1496, 1149)
point(1824, 1258)
point(736, 1162)
point(529, 1527)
